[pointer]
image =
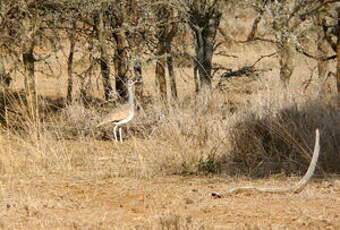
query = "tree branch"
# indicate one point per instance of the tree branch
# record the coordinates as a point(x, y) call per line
point(318, 58)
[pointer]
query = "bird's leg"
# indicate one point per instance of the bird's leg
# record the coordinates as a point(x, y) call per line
point(115, 133)
point(120, 135)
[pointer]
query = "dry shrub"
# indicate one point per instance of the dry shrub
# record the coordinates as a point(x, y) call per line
point(197, 136)
point(73, 122)
point(277, 135)
point(188, 139)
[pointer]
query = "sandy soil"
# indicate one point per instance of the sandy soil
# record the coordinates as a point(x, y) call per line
point(163, 203)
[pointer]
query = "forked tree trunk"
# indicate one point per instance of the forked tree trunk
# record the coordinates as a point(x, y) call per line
point(70, 66)
point(104, 57)
point(286, 55)
point(30, 82)
point(204, 26)
point(121, 61)
point(165, 33)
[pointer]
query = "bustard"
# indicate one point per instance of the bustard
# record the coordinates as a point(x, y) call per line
point(123, 114)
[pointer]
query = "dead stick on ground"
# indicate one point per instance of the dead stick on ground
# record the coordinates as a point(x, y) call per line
point(297, 188)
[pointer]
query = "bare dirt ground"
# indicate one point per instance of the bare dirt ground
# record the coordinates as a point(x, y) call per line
point(163, 203)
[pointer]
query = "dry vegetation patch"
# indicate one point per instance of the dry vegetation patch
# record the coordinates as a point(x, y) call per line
point(274, 137)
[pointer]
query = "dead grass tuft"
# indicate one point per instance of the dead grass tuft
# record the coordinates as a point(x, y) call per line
point(277, 135)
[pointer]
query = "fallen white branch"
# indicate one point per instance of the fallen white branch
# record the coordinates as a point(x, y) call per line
point(297, 188)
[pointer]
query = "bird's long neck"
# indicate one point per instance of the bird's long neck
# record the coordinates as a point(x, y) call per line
point(130, 94)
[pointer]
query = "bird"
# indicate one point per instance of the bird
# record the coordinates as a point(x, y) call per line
point(123, 114)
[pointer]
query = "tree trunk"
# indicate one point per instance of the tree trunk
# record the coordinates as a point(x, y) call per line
point(70, 67)
point(197, 80)
point(172, 78)
point(160, 75)
point(323, 51)
point(4, 83)
point(254, 27)
point(204, 25)
point(286, 55)
point(121, 61)
point(171, 33)
point(165, 33)
point(338, 54)
point(139, 86)
point(5, 79)
point(30, 82)
point(104, 57)
point(204, 55)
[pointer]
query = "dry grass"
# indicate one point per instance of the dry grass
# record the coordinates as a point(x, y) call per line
point(276, 135)
point(76, 177)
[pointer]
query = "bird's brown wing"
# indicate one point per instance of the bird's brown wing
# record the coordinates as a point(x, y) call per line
point(120, 113)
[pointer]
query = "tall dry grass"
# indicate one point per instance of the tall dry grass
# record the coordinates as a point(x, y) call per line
point(276, 134)
point(271, 133)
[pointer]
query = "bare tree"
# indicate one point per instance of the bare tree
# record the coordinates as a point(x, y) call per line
point(166, 28)
point(326, 22)
point(288, 21)
point(118, 14)
point(72, 41)
point(24, 24)
point(203, 18)
point(100, 23)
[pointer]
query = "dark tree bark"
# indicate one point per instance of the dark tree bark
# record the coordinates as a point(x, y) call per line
point(196, 79)
point(121, 62)
point(30, 80)
point(104, 56)
point(322, 53)
point(286, 55)
point(161, 77)
point(204, 22)
point(165, 33)
point(172, 78)
point(135, 15)
point(72, 41)
point(139, 86)
point(117, 16)
point(5, 79)
point(338, 53)
point(254, 27)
